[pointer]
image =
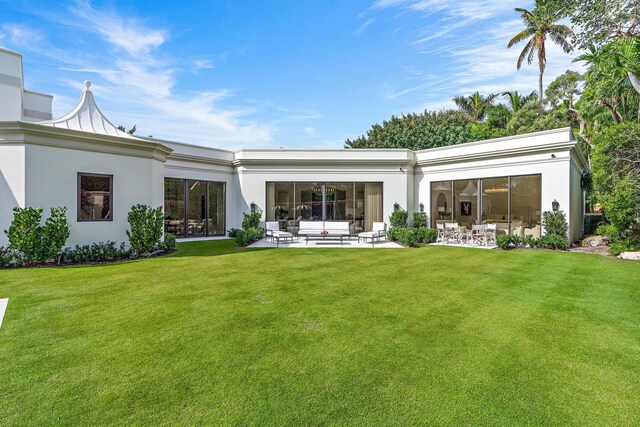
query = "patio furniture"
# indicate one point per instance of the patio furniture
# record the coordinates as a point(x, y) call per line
point(465, 234)
point(324, 230)
point(272, 230)
point(479, 234)
point(451, 231)
point(492, 233)
point(441, 232)
point(283, 235)
point(378, 231)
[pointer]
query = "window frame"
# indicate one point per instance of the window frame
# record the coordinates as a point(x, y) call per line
point(79, 198)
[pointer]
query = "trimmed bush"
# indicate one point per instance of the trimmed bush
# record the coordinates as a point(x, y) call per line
point(146, 226)
point(247, 236)
point(251, 220)
point(555, 230)
point(55, 233)
point(420, 219)
point(398, 219)
point(232, 232)
point(10, 258)
point(169, 242)
point(25, 232)
point(36, 242)
point(95, 252)
point(412, 237)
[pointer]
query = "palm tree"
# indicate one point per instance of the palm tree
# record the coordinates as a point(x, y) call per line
point(540, 23)
point(475, 105)
point(516, 100)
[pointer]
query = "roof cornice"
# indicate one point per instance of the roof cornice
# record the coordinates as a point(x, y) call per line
point(509, 152)
point(36, 134)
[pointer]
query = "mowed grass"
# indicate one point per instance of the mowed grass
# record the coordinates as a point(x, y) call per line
point(215, 335)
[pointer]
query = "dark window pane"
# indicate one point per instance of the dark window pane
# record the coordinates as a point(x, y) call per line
point(216, 208)
point(196, 197)
point(174, 206)
point(95, 197)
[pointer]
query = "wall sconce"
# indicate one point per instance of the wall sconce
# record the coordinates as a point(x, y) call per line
point(253, 207)
point(555, 205)
point(396, 207)
point(421, 207)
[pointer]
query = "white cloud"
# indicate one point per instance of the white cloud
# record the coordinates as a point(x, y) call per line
point(125, 33)
point(134, 81)
point(20, 35)
point(363, 26)
point(309, 131)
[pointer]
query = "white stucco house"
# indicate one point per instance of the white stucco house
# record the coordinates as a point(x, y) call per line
point(82, 161)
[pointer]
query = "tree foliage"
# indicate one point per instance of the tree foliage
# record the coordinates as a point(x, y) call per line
point(417, 131)
point(540, 25)
point(597, 22)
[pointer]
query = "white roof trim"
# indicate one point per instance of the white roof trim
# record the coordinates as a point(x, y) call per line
point(87, 117)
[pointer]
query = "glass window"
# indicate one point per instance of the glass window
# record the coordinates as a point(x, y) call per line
point(441, 202)
point(194, 208)
point(95, 197)
point(197, 206)
point(525, 205)
point(358, 203)
point(495, 203)
point(174, 206)
point(215, 223)
point(466, 202)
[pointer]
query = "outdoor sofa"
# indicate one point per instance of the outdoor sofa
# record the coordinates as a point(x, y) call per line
point(324, 230)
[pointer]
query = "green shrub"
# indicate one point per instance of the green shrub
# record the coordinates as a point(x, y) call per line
point(398, 219)
point(555, 230)
point(36, 242)
point(420, 219)
point(247, 236)
point(504, 241)
point(251, 220)
point(95, 252)
point(146, 226)
point(232, 232)
point(169, 242)
point(11, 258)
point(54, 234)
point(624, 245)
point(25, 232)
point(406, 236)
point(553, 242)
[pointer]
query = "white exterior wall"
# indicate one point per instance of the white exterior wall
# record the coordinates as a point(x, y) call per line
point(36, 106)
point(390, 167)
point(12, 184)
point(52, 181)
point(546, 153)
point(10, 85)
point(575, 214)
point(208, 164)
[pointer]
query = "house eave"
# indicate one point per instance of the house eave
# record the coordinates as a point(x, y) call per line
point(20, 132)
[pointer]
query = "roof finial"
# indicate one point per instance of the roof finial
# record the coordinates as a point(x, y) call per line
point(87, 84)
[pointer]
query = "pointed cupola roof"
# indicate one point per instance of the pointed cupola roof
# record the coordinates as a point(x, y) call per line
point(87, 117)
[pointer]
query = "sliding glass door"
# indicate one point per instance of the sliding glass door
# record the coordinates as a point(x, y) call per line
point(359, 203)
point(513, 203)
point(194, 208)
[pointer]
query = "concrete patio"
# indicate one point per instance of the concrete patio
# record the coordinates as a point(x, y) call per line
point(318, 243)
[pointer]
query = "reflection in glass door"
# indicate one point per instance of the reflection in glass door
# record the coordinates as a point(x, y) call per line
point(196, 225)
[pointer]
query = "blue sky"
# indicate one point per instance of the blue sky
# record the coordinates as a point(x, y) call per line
point(233, 74)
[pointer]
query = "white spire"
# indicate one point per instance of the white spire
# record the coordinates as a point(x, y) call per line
point(87, 117)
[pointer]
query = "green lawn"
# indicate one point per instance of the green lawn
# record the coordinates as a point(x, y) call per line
point(215, 335)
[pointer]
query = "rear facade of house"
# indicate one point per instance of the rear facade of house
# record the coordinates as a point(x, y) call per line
point(82, 161)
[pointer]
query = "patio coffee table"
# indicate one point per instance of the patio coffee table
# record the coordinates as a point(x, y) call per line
point(323, 236)
point(283, 235)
